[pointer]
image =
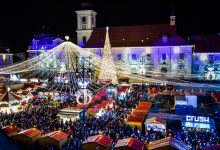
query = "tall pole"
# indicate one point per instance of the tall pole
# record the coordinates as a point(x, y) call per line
point(142, 79)
point(84, 99)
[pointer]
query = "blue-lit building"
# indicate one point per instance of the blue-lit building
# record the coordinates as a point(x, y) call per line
point(41, 43)
point(206, 56)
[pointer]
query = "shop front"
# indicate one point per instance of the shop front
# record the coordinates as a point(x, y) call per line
point(198, 122)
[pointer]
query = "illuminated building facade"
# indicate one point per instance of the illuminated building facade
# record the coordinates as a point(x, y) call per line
point(206, 56)
point(41, 43)
point(156, 47)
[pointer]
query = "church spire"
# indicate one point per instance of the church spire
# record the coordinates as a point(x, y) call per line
point(172, 16)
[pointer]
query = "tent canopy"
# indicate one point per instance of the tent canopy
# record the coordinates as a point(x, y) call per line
point(10, 97)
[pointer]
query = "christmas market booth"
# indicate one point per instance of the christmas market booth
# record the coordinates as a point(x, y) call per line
point(168, 143)
point(95, 112)
point(10, 102)
point(129, 144)
point(100, 142)
point(55, 138)
point(136, 121)
point(198, 122)
point(156, 124)
point(10, 130)
point(27, 137)
point(68, 113)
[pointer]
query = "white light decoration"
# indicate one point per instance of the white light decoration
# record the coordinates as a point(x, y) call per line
point(176, 50)
point(108, 69)
point(87, 96)
point(13, 77)
point(83, 85)
point(142, 70)
point(67, 38)
point(8, 89)
point(34, 80)
point(23, 80)
point(65, 52)
point(203, 57)
point(210, 75)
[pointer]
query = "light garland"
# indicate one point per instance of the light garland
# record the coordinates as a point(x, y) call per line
point(87, 96)
point(67, 50)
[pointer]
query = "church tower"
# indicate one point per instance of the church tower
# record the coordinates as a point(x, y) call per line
point(172, 16)
point(86, 22)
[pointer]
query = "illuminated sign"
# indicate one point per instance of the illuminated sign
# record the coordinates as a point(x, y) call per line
point(197, 118)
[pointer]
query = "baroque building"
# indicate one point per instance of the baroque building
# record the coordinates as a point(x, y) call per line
point(41, 43)
point(155, 48)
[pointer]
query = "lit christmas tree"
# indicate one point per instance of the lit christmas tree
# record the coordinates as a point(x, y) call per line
point(108, 70)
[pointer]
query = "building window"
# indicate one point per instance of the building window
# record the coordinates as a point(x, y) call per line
point(211, 59)
point(119, 57)
point(197, 68)
point(164, 56)
point(84, 40)
point(93, 21)
point(196, 58)
point(182, 56)
point(83, 19)
point(83, 27)
point(148, 56)
point(133, 57)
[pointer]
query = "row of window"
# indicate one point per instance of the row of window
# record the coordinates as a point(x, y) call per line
point(164, 56)
point(211, 58)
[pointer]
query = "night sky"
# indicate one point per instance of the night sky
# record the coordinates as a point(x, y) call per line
point(20, 20)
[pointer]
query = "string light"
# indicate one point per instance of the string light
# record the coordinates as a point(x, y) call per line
point(63, 53)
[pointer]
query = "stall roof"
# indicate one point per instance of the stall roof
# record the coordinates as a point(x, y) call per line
point(9, 97)
point(99, 139)
point(130, 142)
point(138, 113)
point(155, 120)
point(145, 103)
point(32, 133)
point(135, 118)
point(143, 107)
point(93, 110)
point(101, 93)
point(56, 135)
point(9, 130)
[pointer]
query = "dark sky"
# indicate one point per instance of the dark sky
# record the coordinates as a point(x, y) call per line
point(20, 20)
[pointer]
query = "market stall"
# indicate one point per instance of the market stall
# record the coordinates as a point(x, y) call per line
point(10, 130)
point(129, 144)
point(136, 121)
point(198, 122)
point(27, 137)
point(100, 142)
point(95, 112)
point(11, 102)
point(156, 124)
point(55, 138)
point(72, 113)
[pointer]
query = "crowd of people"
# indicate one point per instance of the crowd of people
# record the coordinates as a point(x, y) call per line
point(43, 117)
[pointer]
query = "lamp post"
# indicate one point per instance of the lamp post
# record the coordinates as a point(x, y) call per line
point(83, 89)
point(142, 73)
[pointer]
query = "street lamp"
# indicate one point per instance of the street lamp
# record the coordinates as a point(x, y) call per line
point(142, 71)
point(83, 88)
